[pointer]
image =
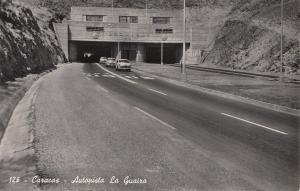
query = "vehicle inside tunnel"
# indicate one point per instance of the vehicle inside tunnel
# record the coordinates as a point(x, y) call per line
point(172, 53)
point(90, 51)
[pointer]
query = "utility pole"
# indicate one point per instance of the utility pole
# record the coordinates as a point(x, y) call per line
point(191, 36)
point(184, 40)
point(112, 8)
point(118, 56)
point(147, 9)
point(163, 38)
point(162, 53)
point(281, 42)
point(118, 26)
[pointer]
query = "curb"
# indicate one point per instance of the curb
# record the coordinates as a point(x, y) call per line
point(17, 152)
point(274, 107)
point(7, 110)
point(236, 72)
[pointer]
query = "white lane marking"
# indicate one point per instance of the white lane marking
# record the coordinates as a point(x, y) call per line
point(128, 77)
point(102, 89)
point(127, 80)
point(147, 78)
point(265, 127)
point(155, 118)
point(135, 77)
point(157, 91)
point(87, 78)
point(108, 76)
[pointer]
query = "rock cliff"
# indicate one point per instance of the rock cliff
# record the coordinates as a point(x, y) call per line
point(26, 45)
point(250, 37)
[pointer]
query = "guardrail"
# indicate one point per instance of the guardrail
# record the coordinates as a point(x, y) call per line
point(237, 73)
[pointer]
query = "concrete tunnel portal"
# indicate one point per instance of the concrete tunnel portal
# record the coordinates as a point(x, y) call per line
point(140, 52)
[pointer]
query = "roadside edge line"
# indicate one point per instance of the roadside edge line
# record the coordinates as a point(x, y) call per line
point(159, 92)
point(102, 89)
point(155, 118)
point(265, 127)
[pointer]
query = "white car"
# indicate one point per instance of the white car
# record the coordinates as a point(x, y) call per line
point(102, 60)
point(111, 62)
point(123, 64)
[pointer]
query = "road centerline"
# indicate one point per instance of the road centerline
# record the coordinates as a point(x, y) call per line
point(155, 118)
point(102, 89)
point(159, 92)
point(253, 123)
point(117, 75)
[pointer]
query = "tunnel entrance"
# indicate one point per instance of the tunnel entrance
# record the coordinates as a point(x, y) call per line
point(171, 53)
point(90, 51)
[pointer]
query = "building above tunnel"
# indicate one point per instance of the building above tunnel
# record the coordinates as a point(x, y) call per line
point(125, 24)
point(135, 34)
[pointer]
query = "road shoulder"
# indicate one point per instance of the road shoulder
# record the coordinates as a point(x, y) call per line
point(274, 107)
point(10, 94)
point(17, 153)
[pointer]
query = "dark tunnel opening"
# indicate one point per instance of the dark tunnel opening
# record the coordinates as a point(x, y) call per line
point(89, 51)
point(171, 53)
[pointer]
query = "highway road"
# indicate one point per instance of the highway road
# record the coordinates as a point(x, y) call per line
point(92, 121)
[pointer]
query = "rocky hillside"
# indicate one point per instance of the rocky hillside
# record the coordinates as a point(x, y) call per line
point(26, 45)
point(63, 7)
point(250, 37)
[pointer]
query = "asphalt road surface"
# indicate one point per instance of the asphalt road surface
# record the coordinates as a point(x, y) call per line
point(92, 122)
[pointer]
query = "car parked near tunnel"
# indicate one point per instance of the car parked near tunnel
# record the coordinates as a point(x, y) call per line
point(111, 62)
point(103, 60)
point(123, 64)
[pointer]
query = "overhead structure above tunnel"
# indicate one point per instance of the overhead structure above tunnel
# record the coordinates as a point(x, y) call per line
point(123, 32)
